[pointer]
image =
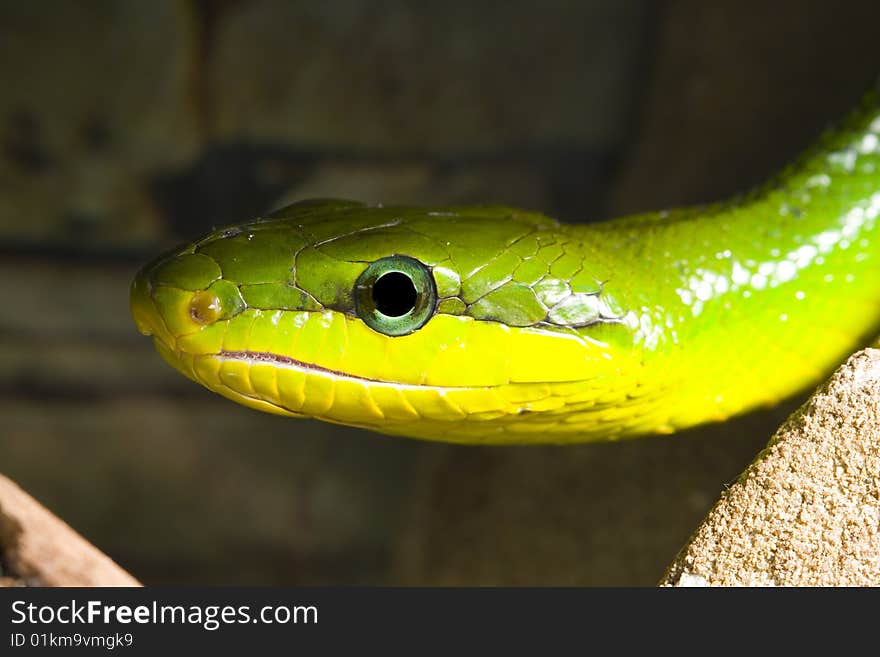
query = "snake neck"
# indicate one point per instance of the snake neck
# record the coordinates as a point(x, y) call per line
point(784, 277)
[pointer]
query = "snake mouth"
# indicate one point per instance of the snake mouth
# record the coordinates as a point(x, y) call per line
point(253, 357)
point(285, 385)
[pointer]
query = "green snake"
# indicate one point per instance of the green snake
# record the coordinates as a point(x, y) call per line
point(496, 325)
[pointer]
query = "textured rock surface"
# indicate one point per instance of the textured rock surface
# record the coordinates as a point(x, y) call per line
point(37, 548)
point(807, 511)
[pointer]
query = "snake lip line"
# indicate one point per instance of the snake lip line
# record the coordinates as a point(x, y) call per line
point(293, 363)
point(287, 361)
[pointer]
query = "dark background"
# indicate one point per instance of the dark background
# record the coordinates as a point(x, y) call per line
point(128, 126)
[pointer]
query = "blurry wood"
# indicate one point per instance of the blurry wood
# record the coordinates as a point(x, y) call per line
point(160, 480)
point(96, 98)
point(40, 549)
point(737, 90)
point(429, 77)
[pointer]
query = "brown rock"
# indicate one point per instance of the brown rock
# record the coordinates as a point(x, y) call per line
point(807, 511)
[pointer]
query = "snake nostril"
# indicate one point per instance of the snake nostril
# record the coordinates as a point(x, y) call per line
point(205, 307)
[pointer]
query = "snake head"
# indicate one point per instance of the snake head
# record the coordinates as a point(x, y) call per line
point(461, 324)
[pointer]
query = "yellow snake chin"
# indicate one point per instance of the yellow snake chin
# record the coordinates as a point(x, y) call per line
point(507, 413)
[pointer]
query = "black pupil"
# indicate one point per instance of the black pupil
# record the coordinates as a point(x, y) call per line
point(394, 294)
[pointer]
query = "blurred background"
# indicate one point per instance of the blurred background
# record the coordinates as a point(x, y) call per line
point(128, 126)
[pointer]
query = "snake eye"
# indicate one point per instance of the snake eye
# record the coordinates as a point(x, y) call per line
point(395, 295)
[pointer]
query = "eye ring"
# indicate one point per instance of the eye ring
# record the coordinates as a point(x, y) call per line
point(395, 295)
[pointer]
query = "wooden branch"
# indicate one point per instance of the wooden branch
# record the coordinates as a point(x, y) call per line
point(37, 548)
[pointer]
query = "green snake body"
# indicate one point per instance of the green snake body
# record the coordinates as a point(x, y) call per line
point(495, 325)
